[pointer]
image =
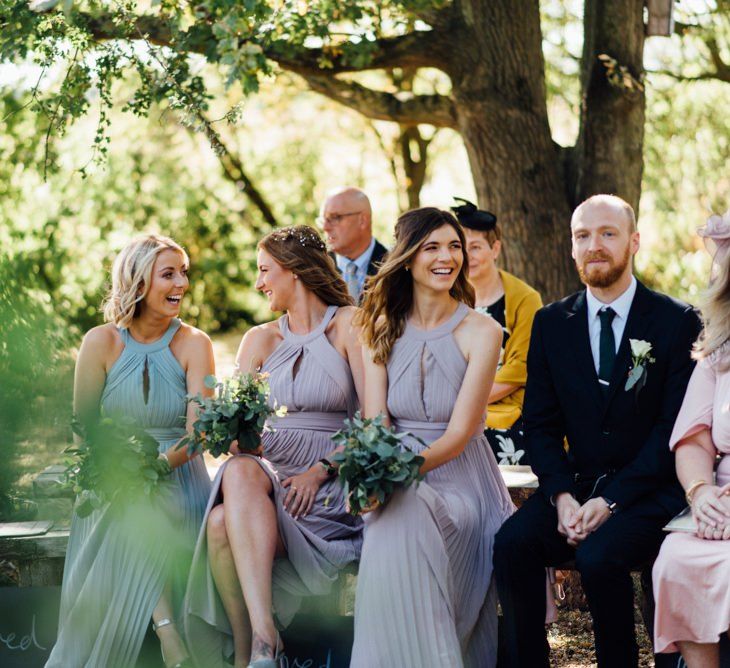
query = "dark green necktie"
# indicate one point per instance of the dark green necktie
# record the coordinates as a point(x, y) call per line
point(606, 348)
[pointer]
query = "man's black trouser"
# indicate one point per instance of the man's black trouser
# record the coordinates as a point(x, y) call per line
point(529, 541)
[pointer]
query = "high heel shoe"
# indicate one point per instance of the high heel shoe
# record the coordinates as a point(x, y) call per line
point(183, 663)
point(270, 662)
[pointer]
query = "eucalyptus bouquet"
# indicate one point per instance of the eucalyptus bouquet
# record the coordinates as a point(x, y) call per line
point(374, 462)
point(112, 457)
point(237, 411)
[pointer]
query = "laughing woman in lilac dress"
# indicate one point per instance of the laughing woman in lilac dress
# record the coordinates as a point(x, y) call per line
point(424, 593)
point(127, 562)
point(277, 528)
point(692, 573)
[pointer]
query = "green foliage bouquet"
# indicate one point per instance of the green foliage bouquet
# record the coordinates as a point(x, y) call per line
point(112, 458)
point(373, 463)
point(237, 411)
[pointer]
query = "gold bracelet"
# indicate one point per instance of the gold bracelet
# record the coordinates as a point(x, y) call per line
point(693, 487)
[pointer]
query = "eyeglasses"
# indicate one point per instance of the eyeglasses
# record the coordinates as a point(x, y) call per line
point(335, 218)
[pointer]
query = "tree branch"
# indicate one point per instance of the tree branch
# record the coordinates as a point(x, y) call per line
point(408, 109)
point(722, 69)
point(150, 28)
point(438, 19)
point(413, 49)
point(234, 172)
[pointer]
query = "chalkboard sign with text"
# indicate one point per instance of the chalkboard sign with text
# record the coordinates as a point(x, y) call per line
point(28, 625)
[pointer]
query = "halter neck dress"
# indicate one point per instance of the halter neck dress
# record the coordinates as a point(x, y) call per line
point(120, 557)
point(314, 382)
point(424, 590)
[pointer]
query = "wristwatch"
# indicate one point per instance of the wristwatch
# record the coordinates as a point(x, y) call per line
point(611, 505)
point(329, 468)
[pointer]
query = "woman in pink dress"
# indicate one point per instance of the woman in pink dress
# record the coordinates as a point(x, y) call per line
point(692, 572)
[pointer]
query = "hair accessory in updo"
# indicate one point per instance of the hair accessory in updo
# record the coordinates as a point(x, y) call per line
point(716, 234)
point(303, 234)
point(472, 217)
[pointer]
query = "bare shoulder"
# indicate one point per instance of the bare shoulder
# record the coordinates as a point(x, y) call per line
point(263, 335)
point(102, 341)
point(193, 334)
point(101, 347)
point(478, 333)
point(344, 316)
point(102, 335)
point(257, 344)
point(192, 340)
point(480, 325)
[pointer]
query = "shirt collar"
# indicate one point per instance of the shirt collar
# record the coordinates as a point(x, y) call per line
point(361, 260)
point(621, 305)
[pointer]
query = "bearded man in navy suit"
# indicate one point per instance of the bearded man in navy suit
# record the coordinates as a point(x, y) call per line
point(607, 370)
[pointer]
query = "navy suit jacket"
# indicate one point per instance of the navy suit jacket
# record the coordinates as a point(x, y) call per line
point(620, 433)
point(376, 259)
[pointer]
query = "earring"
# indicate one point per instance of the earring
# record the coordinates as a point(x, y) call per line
point(295, 277)
point(407, 268)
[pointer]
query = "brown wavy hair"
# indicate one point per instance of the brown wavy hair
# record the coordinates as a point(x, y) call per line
point(389, 294)
point(301, 250)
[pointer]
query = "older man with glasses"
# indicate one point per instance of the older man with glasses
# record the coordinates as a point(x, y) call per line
point(346, 219)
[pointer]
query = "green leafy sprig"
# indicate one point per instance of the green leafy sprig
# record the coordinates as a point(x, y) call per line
point(374, 462)
point(113, 457)
point(237, 411)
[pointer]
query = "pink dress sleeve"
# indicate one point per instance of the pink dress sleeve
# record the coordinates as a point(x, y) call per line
point(696, 412)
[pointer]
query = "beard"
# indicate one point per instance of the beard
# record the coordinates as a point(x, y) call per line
point(603, 278)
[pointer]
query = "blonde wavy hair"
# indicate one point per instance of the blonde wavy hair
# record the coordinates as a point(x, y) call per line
point(716, 314)
point(389, 294)
point(131, 274)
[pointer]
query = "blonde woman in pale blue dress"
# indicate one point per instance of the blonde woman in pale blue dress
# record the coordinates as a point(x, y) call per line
point(126, 562)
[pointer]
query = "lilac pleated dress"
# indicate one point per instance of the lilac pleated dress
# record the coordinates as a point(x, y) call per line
point(424, 592)
point(314, 382)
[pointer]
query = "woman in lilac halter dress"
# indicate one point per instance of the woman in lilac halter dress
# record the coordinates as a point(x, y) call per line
point(424, 592)
point(276, 527)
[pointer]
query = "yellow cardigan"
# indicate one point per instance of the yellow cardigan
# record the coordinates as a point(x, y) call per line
point(521, 304)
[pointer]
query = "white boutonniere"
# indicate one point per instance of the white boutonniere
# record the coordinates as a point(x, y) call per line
point(640, 359)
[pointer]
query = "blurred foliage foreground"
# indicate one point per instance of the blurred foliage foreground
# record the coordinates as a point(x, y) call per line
point(35, 371)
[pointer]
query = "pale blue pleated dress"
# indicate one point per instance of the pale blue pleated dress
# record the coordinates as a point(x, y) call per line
point(424, 590)
point(314, 382)
point(120, 557)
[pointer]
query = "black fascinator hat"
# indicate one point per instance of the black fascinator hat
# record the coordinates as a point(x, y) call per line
point(471, 217)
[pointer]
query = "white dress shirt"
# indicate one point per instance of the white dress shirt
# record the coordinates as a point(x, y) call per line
point(621, 305)
point(362, 262)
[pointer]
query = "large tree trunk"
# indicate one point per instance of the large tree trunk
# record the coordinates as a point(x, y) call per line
point(499, 88)
point(519, 172)
point(608, 157)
